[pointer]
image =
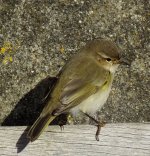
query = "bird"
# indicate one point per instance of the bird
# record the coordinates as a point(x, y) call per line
point(83, 85)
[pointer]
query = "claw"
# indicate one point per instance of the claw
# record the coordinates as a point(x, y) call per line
point(101, 124)
point(97, 138)
point(98, 132)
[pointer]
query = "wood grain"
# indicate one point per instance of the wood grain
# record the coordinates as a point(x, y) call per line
point(132, 139)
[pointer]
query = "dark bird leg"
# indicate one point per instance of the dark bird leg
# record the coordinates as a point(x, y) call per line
point(99, 124)
point(61, 126)
point(60, 120)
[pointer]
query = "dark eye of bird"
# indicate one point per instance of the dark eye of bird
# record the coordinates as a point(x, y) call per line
point(108, 59)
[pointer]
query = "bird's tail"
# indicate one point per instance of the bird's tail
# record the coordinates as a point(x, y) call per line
point(38, 127)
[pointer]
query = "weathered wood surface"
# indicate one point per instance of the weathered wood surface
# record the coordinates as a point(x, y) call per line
point(78, 140)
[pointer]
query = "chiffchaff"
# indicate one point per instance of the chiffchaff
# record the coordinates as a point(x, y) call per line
point(83, 85)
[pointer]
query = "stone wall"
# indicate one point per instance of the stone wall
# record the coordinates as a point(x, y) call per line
point(37, 37)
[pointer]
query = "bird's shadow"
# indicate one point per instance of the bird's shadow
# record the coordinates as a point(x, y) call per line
point(29, 108)
point(23, 141)
point(30, 105)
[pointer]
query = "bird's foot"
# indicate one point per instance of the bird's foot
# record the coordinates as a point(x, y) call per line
point(61, 126)
point(99, 125)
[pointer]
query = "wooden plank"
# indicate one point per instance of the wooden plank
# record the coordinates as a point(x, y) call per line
point(78, 140)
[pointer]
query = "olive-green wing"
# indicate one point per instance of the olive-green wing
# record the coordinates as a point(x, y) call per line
point(78, 89)
point(73, 97)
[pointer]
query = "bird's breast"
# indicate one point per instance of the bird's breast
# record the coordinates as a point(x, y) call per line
point(93, 102)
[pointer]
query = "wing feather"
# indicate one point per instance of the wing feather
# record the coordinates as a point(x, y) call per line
point(80, 88)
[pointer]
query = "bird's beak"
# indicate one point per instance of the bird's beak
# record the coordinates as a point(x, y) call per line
point(124, 62)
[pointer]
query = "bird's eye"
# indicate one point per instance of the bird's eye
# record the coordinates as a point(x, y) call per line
point(108, 59)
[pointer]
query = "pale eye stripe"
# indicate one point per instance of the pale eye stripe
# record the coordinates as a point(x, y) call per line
point(102, 55)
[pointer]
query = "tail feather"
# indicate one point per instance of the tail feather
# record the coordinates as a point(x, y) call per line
point(38, 127)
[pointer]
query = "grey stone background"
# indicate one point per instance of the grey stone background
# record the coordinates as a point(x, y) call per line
point(44, 34)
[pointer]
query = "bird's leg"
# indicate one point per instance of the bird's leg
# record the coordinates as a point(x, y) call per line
point(99, 124)
point(61, 120)
point(68, 119)
point(61, 126)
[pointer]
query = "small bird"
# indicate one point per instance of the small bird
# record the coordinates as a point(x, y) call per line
point(83, 85)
